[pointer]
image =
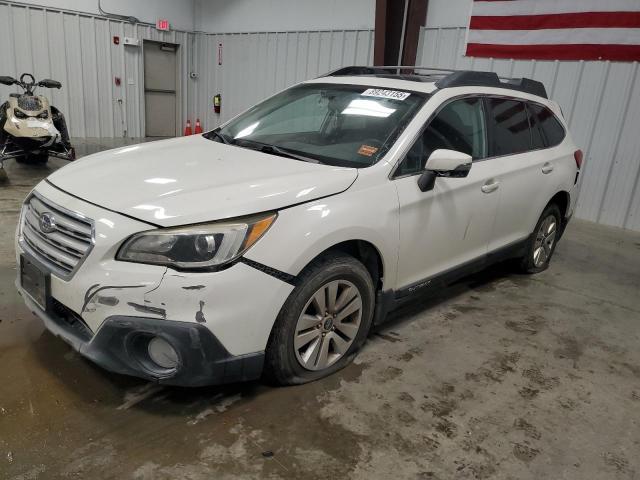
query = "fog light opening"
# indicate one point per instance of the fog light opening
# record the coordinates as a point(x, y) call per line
point(162, 353)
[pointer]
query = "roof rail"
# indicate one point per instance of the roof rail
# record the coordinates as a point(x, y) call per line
point(381, 70)
point(449, 78)
point(465, 78)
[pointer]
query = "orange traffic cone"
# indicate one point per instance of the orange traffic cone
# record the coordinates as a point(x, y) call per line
point(198, 128)
point(187, 129)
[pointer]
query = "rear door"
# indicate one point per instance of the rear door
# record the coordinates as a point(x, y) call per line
point(518, 147)
point(451, 225)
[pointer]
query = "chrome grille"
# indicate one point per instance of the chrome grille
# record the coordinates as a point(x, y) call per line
point(68, 242)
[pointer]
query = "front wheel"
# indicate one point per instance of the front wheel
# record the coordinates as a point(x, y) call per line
point(323, 323)
point(542, 243)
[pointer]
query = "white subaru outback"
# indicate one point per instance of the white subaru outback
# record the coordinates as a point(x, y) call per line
point(269, 246)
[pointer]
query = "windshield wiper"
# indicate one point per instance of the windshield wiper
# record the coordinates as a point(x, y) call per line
point(283, 152)
point(215, 133)
point(288, 153)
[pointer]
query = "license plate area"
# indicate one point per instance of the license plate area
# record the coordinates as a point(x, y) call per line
point(35, 281)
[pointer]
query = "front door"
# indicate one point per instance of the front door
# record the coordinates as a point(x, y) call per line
point(160, 87)
point(451, 225)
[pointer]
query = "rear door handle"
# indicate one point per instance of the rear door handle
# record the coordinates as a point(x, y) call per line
point(547, 168)
point(490, 186)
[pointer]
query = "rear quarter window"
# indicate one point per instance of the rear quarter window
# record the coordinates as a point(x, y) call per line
point(537, 139)
point(550, 127)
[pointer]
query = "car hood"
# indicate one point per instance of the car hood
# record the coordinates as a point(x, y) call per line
point(192, 179)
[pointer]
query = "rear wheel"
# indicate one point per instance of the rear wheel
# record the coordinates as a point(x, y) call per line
point(542, 243)
point(323, 323)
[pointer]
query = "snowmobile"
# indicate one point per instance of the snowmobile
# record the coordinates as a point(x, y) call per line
point(31, 129)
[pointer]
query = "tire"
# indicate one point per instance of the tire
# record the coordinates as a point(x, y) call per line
point(540, 246)
point(336, 275)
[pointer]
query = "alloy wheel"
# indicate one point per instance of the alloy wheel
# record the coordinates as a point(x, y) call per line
point(545, 239)
point(328, 325)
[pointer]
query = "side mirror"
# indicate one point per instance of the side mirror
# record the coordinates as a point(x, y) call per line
point(444, 163)
point(47, 83)
point(7, 80)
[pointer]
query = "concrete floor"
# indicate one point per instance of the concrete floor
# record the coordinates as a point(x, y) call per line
point(502, 376)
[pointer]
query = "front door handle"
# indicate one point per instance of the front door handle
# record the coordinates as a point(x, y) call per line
point(490, 186)
point(547, 168)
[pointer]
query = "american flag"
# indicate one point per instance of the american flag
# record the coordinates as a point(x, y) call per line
point(555, 29)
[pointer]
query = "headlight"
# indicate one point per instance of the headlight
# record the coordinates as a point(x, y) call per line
point(198, 246)
point(44, 115)
point(19, 114)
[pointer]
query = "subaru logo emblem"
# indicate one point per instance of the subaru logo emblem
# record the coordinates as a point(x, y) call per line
point(47, 223)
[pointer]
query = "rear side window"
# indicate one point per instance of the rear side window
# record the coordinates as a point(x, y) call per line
point(550, 127)
point(509, 124)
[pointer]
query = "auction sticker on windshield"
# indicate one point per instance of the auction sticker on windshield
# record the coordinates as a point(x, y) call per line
point(367, 150)
point(380, 93)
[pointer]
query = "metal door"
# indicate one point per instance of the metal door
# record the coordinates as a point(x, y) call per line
point(160, 85)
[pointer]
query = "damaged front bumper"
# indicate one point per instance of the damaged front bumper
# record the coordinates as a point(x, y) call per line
point(218, 323)
point(203, 360)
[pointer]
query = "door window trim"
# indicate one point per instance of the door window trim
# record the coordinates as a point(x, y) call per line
point(482, 97)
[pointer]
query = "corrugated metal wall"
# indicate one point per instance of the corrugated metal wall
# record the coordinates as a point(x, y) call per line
point(601, 101)
point(257, 65)
point(77, 49)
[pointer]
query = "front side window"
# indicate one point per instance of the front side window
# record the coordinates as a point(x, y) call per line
point(342, 125)
point(510, 132)
point(458, 126)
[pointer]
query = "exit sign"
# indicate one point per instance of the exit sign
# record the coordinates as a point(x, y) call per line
point(162, 25)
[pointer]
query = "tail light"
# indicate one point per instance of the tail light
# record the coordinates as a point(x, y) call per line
point(578, 157)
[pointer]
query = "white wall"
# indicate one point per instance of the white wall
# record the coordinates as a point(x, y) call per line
point(233, 16)
point(257, 65)
point(223, 16)
point(180, 13)
point(448, 13)
point(77, 49)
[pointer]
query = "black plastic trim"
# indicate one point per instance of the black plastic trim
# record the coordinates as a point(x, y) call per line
point(280, 275)
point(385, 303)
point(443, 279)
point(355, 70)
point(467, 78)
point(203, 360)
point(460, 78)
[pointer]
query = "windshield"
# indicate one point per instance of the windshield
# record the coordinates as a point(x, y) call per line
point(342, 125)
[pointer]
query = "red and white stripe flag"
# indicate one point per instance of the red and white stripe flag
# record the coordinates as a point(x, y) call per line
point(555, 29)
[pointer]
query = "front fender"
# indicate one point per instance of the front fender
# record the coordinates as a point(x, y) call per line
point(303, 232)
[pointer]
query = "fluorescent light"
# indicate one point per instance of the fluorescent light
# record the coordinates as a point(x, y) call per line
point(369, 108)
point(126, 149)
point(160, 181)
point(247, 131)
